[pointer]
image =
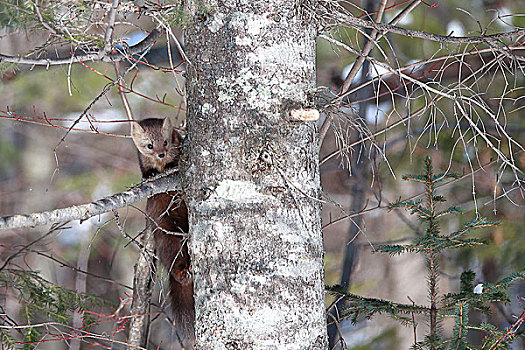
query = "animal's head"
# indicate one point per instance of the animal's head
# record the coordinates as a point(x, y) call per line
point(156, 140)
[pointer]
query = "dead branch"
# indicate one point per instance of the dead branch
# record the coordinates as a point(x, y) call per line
point(108, 36)
point(142, 290)
point(342, 18)
point(169, 181)
point(372, 41)
point(96, 56)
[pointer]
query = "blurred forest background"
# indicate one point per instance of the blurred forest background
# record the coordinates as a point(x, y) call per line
point(38, 173)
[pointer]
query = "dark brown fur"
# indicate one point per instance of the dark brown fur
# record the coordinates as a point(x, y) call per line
point(167, 212)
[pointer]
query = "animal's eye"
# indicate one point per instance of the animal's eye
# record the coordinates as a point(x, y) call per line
point(165, 143)
point(150, 146)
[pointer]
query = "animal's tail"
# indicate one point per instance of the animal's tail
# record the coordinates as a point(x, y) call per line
point(182, 305)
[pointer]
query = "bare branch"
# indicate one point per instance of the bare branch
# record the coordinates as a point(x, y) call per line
point(102, 93)
point(169, 32)
point(142, 289)
point(41, 19)
point(122, 93)
point(96, 56)
point(390, 28)
point(108, 37)
point(160, 184)
point(449, 95)
point(366, 50)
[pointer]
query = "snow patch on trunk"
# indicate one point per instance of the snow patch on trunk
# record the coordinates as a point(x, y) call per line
point(238, 191)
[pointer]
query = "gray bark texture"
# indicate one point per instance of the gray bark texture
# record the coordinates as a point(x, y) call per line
point(252, 177)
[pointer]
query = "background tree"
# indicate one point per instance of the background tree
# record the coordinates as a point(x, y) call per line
point(419, 88)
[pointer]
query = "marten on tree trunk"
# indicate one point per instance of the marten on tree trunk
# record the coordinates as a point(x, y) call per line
point(159, 149)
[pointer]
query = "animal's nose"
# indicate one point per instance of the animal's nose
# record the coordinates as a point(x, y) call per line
point(161, 155)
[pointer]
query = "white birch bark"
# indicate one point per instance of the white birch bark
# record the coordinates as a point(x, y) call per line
point(252, 177)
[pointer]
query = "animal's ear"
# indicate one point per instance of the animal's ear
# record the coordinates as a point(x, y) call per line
point(137, 133)
point(176, 137)
point(166, 128)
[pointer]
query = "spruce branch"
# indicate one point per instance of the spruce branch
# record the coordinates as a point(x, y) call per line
point(504, 283)
point(458, 304)
point(474, 224)
point(451, 305)
point(450, 210)
point(431, 244)
point(43, 297)
point(358, 306)
point(428, 243)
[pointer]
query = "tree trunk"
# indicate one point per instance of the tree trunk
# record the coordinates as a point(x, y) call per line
point(252, 177)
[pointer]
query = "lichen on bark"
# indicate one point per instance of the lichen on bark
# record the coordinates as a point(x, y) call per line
point(252, 178)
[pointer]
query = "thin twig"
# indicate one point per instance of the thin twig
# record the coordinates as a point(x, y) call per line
point(102, 93)
point(359, 62)
point(122, 94)
point(455, 98)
